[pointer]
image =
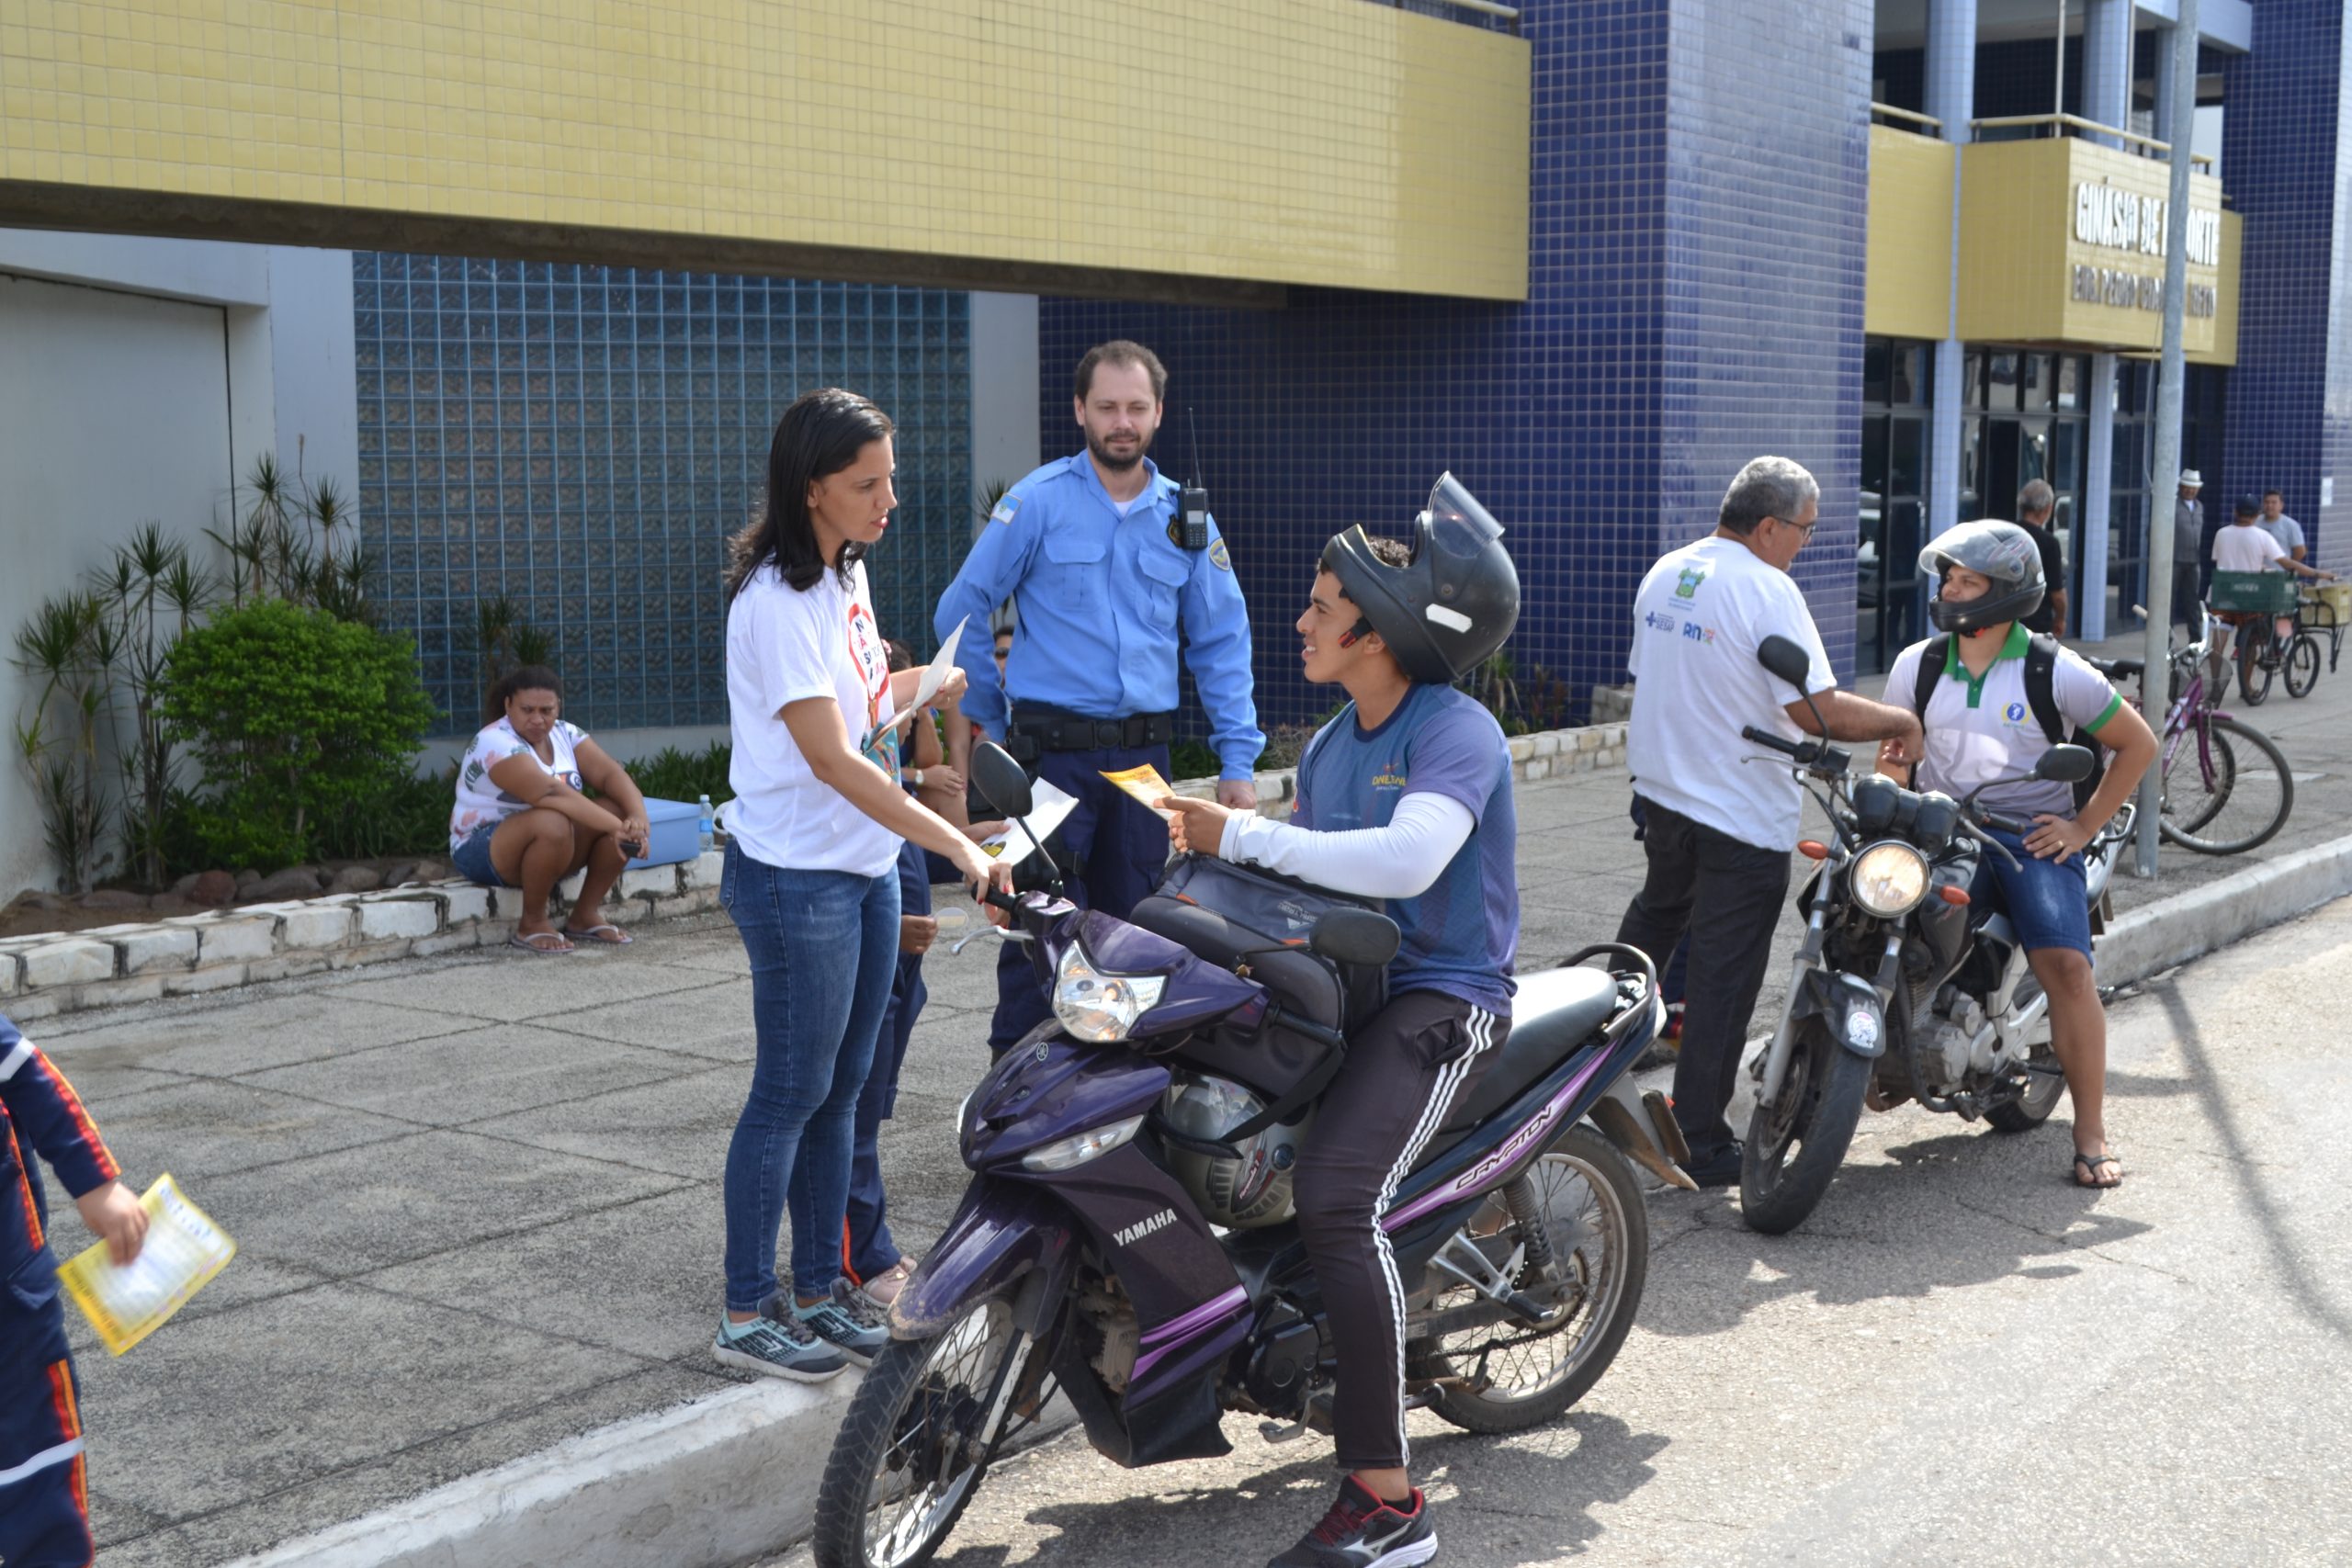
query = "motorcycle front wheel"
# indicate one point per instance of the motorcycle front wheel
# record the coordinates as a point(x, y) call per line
point(1796, 1143)
point(919, 1437)
point(1509, 1376)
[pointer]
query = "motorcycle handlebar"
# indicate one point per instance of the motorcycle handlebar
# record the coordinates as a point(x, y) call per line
point(1802, 751)
point(1001, 900)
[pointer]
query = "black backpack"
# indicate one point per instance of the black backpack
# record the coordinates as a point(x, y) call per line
point(2041, 696)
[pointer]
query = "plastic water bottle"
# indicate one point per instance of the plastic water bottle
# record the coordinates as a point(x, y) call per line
point(705, 826)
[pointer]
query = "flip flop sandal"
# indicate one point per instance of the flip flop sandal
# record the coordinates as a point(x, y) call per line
point(531, 943)
point(611, 936)
point(2090, 1163)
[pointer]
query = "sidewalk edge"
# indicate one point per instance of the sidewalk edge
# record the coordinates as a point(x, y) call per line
point(2189, 925)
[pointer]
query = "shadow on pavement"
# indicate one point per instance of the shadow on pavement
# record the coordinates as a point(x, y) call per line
point(1948, 1212)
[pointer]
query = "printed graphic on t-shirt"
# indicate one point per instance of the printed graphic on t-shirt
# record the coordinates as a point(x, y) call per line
point(867, 651)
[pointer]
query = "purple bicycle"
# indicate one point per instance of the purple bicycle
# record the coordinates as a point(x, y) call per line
point(2227, 787)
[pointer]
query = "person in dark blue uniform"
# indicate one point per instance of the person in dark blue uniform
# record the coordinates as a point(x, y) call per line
point(1092, 552)
point(44, 1489)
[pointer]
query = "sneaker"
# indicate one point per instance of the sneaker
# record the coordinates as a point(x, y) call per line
point(1361, 1531)
point(779, 1348)
point(850, 1321)
point(1716, 1167)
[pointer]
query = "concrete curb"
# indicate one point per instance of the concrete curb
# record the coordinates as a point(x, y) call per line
point(2187, 925)
point(717, 1480)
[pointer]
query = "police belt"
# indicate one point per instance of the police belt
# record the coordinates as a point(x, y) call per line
point(1034, 730)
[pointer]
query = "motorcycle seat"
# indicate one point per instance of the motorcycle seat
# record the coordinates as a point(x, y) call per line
point(1554, 1011)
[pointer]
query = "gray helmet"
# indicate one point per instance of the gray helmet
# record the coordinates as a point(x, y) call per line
point(1240, 1194)
point(1456, 602)
point(2003, 553)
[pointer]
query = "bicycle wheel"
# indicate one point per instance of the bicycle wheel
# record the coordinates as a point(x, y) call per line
point(2252, 807)
point(2303, 665)
point(2253, 669)
point(2200, 771)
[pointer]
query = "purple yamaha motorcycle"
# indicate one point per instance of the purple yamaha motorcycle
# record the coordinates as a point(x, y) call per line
point(1127, 1238)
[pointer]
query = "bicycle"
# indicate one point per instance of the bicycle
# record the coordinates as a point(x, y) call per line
point(2263, 653)
point(2209, 803)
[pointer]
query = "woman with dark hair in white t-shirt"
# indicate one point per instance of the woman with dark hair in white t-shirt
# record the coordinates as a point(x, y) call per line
point(810, 876)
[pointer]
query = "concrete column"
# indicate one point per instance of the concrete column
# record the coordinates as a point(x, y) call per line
point(1951, 98)
point(2160, 121)
point(2089, 607)
point(1004, 387)
point(2107, 64)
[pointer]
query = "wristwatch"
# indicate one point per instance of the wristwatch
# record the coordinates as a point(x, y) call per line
point(917, 780)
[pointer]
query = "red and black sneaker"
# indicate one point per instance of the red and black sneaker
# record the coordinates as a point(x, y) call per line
point(1361, 1531)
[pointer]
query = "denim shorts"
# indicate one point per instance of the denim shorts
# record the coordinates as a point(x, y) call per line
point(2048, 901)
point(472, 858)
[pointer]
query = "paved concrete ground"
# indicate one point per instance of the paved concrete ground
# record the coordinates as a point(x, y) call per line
point(478, 1200)
point(1961, 1357)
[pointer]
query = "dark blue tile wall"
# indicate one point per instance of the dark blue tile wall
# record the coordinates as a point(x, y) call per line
point(2286, 160)
point(1697, 218)
point(582, 440)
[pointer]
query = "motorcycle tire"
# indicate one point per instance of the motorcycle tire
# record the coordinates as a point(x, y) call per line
point(2043, 1091)
point(1611, 1223)
point(914, 1381)
point(1820, 1101)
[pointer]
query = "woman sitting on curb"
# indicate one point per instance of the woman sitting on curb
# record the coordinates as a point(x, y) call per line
point(520, 820)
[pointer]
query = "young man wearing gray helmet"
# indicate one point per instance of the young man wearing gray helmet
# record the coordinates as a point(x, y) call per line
point(1996, 698)
point(1405, 795)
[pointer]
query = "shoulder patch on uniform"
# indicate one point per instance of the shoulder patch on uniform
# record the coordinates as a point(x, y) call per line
point(1005, 509)
point(1217, 556)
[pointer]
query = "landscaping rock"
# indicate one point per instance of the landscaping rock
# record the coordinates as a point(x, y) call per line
point(294, 882)
point(181, 888)
point(396, 874)
point(114, 899)
point(356, 879)
point(435, 871)
point(210, 888)
point(247, 877)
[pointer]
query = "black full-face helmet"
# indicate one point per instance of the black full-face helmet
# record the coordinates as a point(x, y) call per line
point(2002, 553)
point(1454, 603)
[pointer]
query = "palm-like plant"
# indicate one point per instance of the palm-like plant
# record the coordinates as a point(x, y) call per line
point(68, 646)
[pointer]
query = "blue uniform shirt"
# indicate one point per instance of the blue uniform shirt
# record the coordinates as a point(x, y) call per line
point(40, 1119)
point(1102, 602)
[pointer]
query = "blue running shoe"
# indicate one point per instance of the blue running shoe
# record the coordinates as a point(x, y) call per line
point(850, 1321)
point(777, 1349)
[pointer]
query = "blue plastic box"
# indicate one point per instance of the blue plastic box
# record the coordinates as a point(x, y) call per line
point(677, 832)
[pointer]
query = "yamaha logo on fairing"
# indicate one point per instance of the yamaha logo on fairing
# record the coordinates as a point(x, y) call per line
point(1142, 1228)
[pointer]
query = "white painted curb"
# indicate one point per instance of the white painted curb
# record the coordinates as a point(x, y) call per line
point(2187, 925)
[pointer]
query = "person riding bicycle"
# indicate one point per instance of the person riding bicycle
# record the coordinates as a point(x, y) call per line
point(1405, 795)
point(2245, 546)
point(1989, 716)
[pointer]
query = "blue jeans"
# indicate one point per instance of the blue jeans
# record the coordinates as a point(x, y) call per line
point(2048, 901)
point(824, 945)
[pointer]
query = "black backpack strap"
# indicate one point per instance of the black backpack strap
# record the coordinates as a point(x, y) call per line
point(2042, 686)
point(1933, 660)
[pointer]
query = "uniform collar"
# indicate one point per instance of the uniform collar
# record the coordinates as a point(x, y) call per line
point(2012, 647)
point(1084, 465)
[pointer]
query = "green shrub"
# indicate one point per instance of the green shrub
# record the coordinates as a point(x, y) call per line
point(673, 775)
point(298, 721)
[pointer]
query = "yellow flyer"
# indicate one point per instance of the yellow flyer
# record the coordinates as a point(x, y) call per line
point(1146, 784)
point(182, 1251)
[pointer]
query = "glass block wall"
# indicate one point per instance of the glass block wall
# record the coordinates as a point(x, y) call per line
point(582, 440)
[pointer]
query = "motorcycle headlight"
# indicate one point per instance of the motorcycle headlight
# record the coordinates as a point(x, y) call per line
point(1889, 879)
point(1097, 1007)
point(1064, 1152)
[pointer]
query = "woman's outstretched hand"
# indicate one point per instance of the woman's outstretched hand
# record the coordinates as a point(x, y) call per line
point(986, 874)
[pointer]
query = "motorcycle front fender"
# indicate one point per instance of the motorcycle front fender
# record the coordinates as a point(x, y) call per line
point(1001, 1232)
point(1849, 1007)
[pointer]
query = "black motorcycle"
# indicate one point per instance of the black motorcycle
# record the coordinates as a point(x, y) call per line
point(1902, 990)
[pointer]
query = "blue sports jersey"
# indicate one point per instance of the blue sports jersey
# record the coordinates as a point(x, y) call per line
point(1461, 931)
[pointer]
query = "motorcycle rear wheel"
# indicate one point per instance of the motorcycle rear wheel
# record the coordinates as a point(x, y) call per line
point(1599, 1231)
point(912, 1450)
point(1795, 1145)
point(2032, 1107)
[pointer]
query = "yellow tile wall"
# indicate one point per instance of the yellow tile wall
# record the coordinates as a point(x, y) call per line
point(1308, 141)
point(1907, 284)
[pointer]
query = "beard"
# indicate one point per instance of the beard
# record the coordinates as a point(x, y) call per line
point(1112, 460)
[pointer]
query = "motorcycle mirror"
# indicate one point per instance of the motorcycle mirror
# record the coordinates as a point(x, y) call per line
point(1784, 659)
point(2064, 764)
point(1000, 779)
point(1358, 937)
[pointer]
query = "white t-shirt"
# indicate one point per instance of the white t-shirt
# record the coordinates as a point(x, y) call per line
point(2246, 548)
point(479, 799)
point(1697, 621)
point(786, 647)
point(1978, 731)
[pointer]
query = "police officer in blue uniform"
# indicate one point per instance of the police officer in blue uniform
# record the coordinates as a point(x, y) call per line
point(1092, 551)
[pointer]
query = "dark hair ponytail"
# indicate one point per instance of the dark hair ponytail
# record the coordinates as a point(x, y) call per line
point(819, 435)
point(525, 677)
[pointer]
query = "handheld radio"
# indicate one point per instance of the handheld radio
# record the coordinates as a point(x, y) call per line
point(1188, 528)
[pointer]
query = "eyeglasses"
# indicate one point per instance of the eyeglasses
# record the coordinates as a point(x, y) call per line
point(1805, 528)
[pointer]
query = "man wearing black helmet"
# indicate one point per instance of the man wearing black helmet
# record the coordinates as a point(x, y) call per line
point(1405, 795)
point(1992, 698)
